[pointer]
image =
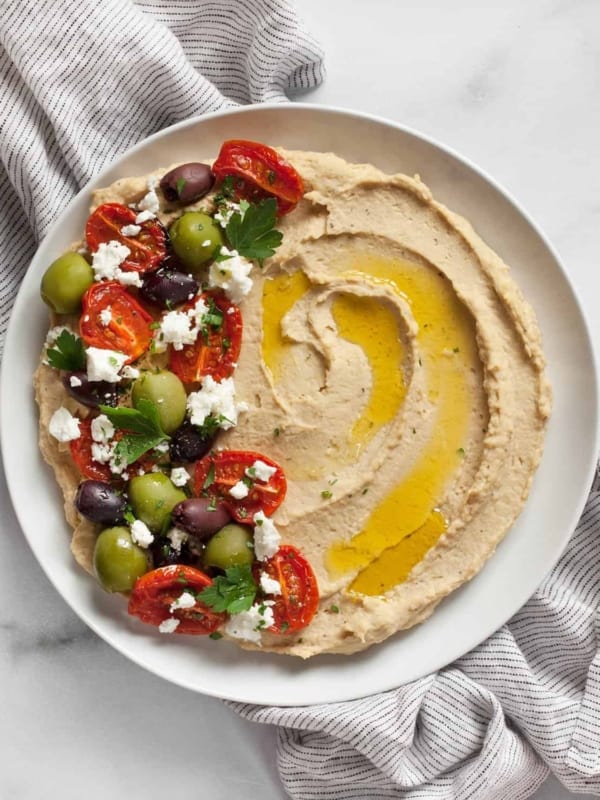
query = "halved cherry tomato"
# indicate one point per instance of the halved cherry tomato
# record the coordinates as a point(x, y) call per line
point(299, 598)
point(216, 473)
point(147, 249)
point(81, 453)
point(258, 172)
point(153, 593)
point(215, 354)
point(129, 328)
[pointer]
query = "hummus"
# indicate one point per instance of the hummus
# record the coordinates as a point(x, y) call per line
point(394, 370)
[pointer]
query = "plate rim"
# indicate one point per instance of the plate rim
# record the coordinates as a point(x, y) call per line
point(326, 110)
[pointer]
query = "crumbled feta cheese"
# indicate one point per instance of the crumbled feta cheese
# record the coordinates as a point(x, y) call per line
point(185, 600)
point(144, 216)
point(225, 212)
point(269, 585)
point(63, 425)
point(54, 333)
point(248, 624)
point(176, 329)
point(102, 453)
point(163, 447)
point(108, 258)
point(266, 537)
point(102, 429)
point(177, 538)
point(130, 230)
point(104, 365)
point(130, 373)
point(239, 490)
point(141, 534)
point(231, 275)
point(129, 278)
point(169, 625)
point(260, 471)
point(150, 201)
point(74, 381)
point(180, 476)
point(216, 398)
point(197, 312)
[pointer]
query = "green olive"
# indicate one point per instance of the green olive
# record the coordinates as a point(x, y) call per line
point(118, 561)
point(65, 282)
point(152, 497)
point(167, 393)
point(229, 547)
point(194, 237)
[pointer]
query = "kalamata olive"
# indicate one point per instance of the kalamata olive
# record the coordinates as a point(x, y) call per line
point(99, 502)
point(166, 288)
point(165, 555)
point(187, 183)
point(90, 393)
point(188, 444)
point(200, 516)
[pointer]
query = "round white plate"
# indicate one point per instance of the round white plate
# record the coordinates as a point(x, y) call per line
point(470, 614)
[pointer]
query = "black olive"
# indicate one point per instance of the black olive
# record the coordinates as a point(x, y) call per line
point(187, 183)
point(200, 516)
point(90, 393)
point(167, 288)
point(188, 444)
point(99, 502)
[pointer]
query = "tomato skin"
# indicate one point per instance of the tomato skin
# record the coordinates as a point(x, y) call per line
point(194, 361)
point(299, 599)
point(259, 172)
point(154, 592)
point(229, 468)
point(148, 248)
point(129, 329)
point(81, 453)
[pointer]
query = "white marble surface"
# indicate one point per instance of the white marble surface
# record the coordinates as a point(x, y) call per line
point(514, 86)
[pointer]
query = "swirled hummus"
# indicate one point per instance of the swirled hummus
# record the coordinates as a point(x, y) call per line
point(392, 367)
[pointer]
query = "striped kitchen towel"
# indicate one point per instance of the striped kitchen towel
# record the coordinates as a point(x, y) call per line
point(489, 727)
point(83, 80)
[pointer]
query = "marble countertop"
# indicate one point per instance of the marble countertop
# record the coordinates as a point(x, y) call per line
point(514, 87)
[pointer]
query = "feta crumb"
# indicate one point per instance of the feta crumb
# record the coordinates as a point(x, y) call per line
point(130, 373)
point(216, 398)
point(179, 476)
point(231, 275)
point(102, 453)
point(185, 600)
point(102, 429)
point(176, 329)
point(104, 365)
point(162, 447)
point(269, 585)
point(169, 625)
point(108, 258)
point(248, 624)
point(239, 490)
point(141, 534)
point(225, 212)
point(177, 538)
point(260, 471)
point(75, 381)
point(63, 425)
point(130, 230)
point(266, 537)
point(129, 278)
point(106, 315)
point(150, 201)
point(144, 216)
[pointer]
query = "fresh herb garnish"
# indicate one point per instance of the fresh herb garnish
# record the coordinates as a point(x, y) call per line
point(226, 191)
point(179, 185)
point(326, 494)
point(252, 231)
point(210, 477)
point(233, 592)
point(67, 353)
point(215, 635)
point(142, 428)
point(211, 425)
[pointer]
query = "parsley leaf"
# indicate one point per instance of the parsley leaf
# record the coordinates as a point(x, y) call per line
point(142, 426)
point(67, 353)
point(252, 233)
point(233, 592)
point(180, 185)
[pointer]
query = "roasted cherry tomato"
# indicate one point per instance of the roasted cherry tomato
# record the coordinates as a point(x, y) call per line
point(128, 330)
point(259, 171)
point(215, 353)
point(148, 248)
point(153, 593)
point(81, 453)
point(299, 598)
point(216, 473)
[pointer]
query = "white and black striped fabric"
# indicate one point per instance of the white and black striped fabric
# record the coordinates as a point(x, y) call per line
point(83, 80)
point(489, 727)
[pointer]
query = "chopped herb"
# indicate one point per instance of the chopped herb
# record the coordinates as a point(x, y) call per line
point(461, 451)
point(247, 481)
point(326, 494)
point(365, 490)
point(210, 477)
point(215, 635)
point(154, 326)
point(233, 592)
point(180, 185)
point(251, 471)
point(271, 177)
point(159, 504)
point(212, 506)
point(226, 343)
point(129, 516)
point(283, 626)
point(169, 304)
point(276, 431)
point(226, 191)
point(456, 349)
point(334, 609)
point(67, 353)
point(113, 361)
point(253, 234)
point(142, 427)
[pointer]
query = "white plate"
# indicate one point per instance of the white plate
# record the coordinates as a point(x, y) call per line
point(470, 614)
